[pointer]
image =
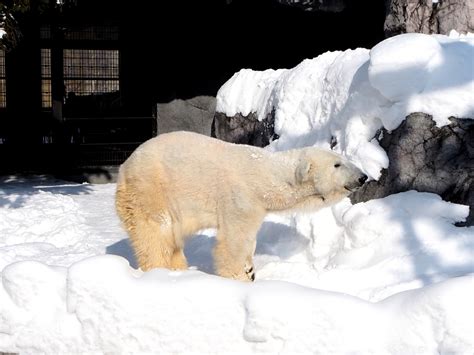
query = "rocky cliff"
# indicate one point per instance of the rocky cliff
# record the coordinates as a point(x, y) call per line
point(441, 16)
point(407, 16)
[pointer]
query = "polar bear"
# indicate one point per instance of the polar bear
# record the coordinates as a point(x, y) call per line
point(178, 183)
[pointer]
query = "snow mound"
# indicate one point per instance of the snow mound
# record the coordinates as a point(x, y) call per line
point(426, 74)
point(101, 304)
point(372, 250)
point(400, 69)
point(342, 99)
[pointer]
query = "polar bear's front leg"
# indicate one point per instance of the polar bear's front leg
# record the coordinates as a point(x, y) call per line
point(232, 263)
point(235, 247)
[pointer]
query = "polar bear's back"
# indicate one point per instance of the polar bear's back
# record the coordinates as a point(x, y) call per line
point(182, 145)
point(193, 161)
point(190, 174)
point(187, 150)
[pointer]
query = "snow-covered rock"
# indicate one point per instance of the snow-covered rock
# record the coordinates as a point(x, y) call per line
point(420, 73)
point(342, 99)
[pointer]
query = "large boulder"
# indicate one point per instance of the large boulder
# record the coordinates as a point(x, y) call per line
point(427, 158)
point(406, 16)
point(194, 115)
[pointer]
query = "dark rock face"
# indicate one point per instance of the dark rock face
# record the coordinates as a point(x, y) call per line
point(193, 115)
point(406, 16)
point(317, 5)
point(244, 129)
point(426, 158)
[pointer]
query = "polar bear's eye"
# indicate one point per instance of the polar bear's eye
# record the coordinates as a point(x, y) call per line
point(337, 165)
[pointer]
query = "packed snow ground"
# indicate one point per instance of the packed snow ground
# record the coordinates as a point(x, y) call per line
point(390, 276)
point(351, 272)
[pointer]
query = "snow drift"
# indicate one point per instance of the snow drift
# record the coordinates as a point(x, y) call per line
point(101, 303)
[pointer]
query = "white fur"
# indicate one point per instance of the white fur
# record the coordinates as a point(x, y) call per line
point(178, 183)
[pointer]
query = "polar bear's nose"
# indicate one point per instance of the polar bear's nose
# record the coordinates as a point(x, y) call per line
point(363, 179)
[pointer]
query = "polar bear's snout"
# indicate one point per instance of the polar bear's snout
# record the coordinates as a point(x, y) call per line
point(363, 179)
point(356, 183)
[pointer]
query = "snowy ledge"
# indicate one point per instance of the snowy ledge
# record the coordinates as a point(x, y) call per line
point(101, 304)
point(346, 97)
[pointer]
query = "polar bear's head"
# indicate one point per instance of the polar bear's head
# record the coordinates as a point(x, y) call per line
point(329, 173)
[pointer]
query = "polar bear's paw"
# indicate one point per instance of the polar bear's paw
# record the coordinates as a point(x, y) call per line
point(250, 272)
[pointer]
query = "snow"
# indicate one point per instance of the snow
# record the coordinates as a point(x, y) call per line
point(388, 276)
point(456, 34)
point(197, 313)
point(51, 221)
point(402, 241)
point(346, 97)
point(427, 74)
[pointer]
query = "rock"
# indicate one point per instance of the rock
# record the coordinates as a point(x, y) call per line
point(405, 16)
point(244, 129)
point(426, 158)
point(317, 5)
point(193, 115)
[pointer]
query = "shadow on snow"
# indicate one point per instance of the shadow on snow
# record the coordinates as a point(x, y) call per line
point(273, 239)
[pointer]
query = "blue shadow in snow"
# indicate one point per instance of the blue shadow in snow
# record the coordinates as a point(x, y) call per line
point(272, 239)
point(124, 249)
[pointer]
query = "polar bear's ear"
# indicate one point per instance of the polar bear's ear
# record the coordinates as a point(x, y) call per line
point(302, 171)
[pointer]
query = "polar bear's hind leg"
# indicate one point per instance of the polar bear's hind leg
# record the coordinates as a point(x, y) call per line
point(153, 238)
